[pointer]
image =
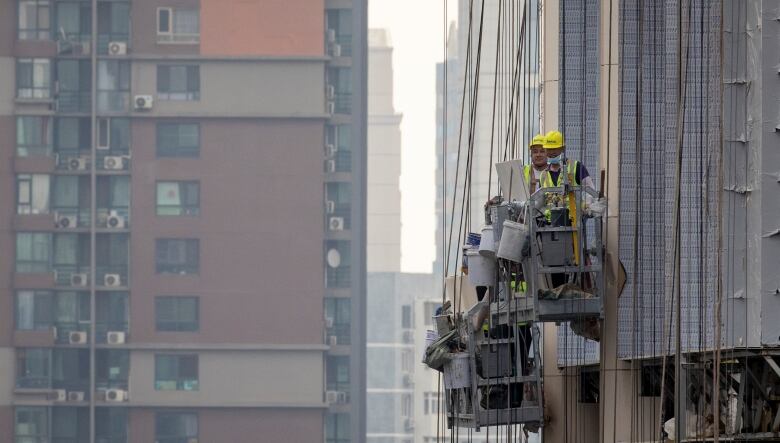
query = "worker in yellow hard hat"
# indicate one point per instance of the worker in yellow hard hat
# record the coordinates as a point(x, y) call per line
point(538, 164)
point(578, 174)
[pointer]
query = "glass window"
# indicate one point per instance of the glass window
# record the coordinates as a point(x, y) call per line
point(34, 20)
point(178, 256)
point(175, 427)
point(406, 316)
point(72, 134)
point(74, 20)
point(178, 198)
point(34, 310)
point(337, 428)
point(178, 139)
point(338, 373)
point(175, 372)
point(112, 368)
point(33, 78)
point(65, 192)
point(113, 192)
point(33, 252)
point(33, 136)
point(33, 370)
point(113, 87)
point(32, 194)
point(69, 424)
point(70, 367)
point(112, 312)
point(341, 80)
point(338, 313)
point(337, 264)
point(31, 425)
point(177, 313)
point(178, 82)
point(178, 25)
point(431, 403)
point(340, 23)
point(111, 425)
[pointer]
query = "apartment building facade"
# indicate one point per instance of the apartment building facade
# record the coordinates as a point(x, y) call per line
point(137, 302)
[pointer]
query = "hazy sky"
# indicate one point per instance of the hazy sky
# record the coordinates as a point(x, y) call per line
point(416, 28)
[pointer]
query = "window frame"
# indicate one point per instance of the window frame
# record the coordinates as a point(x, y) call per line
point(180, 150)
point(191, 74)
point(45, 90)
point(35, 265)
point(176, 324)
point(39, 32)
point(174, 438)
point(37, 297)
point(41, 410)
point(178, 382)
point(44, 128)
point(171, 37)
point(183, 208)
point(178, 269)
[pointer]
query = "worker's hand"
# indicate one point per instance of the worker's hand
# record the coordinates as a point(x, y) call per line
point(494, 201)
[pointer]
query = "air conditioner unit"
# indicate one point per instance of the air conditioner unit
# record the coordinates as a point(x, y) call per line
point(115, 221)
point(333, 340)
point(331, 35)
point(408, 336)
point(331, 397)
point(330, 165)
point(78, 279)
point(60, 395)
point(76, 396)
point(115, 338)
point(409, 424)
point(328, 322)
point(336, 224)
point(77, 164)
point(86, 48)
point(335, 50)
point(330, 92)
point(117, 48)
point(143, 102)
point(116, 395)
point(112, 280)
point(65, 221)
point(331, 107)
point(408, 380)
point(330, 206)
point(77, 338)
point(330, 150)
point(113, 162)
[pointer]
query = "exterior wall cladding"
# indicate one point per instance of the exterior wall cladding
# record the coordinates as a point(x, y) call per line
point(224, 337)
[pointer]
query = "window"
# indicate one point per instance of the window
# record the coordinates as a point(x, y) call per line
point(33, 368)
point(178, 198)
point(33, 136)
point(33, 78)
point(112, 312)
point(175, 427)
point(406, 316)
point(73, 19)
point(178, 256)
point(112, 368)
point(407, 360)
point(178, 139)
point(69, 424)
point(176, 25)
point(177, 314)
point(113, 23)
point(113, 192)
point(338, 311)
point(341, 80)
point(31, 424)
point(113, 85)
point(74, 82)
point(431, 403)
point(34, 20)
point(178, 82)
point(337, 264)
point(72, 134)
point(33, 252)
point(176, 372)
point(430, 310)
point(406, 405)
point(34, 310)
point(340, 23)
point(337, 428)
point(111, 425)
point(32, 194)
point(338, 373)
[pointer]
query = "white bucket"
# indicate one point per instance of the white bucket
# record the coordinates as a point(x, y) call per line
point(457, 373)
point(512, 237)
point(482, 270)
point(487, 246)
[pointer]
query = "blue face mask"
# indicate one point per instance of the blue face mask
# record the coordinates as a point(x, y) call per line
point(554, 160)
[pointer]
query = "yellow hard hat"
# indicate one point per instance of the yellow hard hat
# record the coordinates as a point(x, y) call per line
point(554, 140)
point(538, 140)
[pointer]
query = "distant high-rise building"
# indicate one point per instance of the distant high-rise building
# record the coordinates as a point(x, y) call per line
point(183, 221)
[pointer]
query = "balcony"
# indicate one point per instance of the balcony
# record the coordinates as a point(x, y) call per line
point(339, 277)
point(341, 332)
point(74, 276)
point(115, 276)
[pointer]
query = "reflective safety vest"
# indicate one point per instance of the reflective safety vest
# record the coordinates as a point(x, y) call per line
point(527, 171)
point(548, 182)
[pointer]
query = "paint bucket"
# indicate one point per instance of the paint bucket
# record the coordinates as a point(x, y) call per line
point(482, 270)
point(457, 373)
point(487, 247)
point(511, 245)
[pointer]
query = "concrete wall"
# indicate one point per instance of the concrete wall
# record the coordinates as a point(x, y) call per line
point(240, 88)
point(144, 28)
point(236, 378)
point(8, 86)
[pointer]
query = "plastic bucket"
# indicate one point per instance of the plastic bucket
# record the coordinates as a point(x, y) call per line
point(487, 246)
point(482, 270)
point(511, 245)
point(457, 373)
